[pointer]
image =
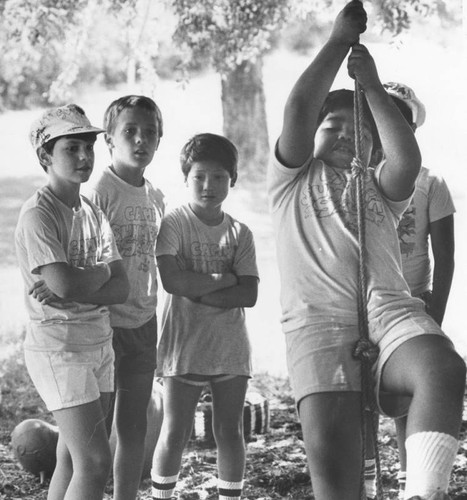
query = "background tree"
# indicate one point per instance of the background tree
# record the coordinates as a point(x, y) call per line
point(52, 45)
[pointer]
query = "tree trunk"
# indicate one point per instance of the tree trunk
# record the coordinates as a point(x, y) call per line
point(244, 110)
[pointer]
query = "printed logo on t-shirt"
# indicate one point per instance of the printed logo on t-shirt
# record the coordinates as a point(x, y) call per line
point(83, 252)
point(406, 230)
point(211, 257)
point(335, 194)
point(138, 236)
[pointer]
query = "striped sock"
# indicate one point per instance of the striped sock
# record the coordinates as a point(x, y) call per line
point(401, 478)
point(430, 457)
point(163, 486)
point(229, 490)
point(370, 478)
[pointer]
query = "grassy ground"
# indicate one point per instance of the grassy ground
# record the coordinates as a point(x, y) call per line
point(276, 463)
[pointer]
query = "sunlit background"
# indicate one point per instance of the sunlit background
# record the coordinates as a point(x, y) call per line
point(430, 59)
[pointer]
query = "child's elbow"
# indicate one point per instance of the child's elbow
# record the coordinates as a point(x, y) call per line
point(251, 298)
point(123, 292)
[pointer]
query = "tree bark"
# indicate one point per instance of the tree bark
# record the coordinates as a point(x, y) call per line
point(245, 124)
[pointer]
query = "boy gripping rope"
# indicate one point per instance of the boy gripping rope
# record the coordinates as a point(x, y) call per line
point(133, 126)
point(313, 205)
point(72, 270)
point(207, 265)
point(428, 224)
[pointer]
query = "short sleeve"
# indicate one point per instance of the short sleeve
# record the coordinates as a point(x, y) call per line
point(109, 246)
point(40, 236)
point(440, 203)
point(245, 256)
point(169, 238)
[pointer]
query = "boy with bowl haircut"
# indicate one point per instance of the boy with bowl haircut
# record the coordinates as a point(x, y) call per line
point(133, 129)
point(208, 267)
point(313, 202)
point(72, 270)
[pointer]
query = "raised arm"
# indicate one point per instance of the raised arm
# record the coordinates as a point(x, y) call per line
point(400, 148)
point(186, 283)
point(311, 89)
point(244, 294)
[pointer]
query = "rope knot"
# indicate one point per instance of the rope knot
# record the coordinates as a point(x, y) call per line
point(366, 350)
point(357, 167)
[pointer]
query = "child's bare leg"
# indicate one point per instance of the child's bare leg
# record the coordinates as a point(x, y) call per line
point(180, 402)
point(401, 434)
point(372, 425)
point(132, 398)
point(62, 474)
point(428, 368)
point(228, 403)
point(331, 424)
point(83, 430)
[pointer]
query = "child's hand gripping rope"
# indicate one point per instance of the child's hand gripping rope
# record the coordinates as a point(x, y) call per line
point(349, 24)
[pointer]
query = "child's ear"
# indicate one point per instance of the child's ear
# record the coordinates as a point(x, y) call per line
point(108, 140)
point(233, 180)
point(44, 157)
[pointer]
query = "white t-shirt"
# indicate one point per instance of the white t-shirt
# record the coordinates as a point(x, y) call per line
point(198, 338)
point(314, 213)
point(431, 201)
point(135, 215)
point(48, 231)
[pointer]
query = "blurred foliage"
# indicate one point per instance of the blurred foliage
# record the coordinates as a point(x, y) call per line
point(51, 47)
point(228, 33)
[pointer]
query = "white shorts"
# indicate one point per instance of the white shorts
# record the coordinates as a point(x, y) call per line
point(320, 356)
point(64, 379)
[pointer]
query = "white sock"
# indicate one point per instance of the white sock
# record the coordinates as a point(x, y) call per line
point(430, 457)
point(163, 486)
point(370, 477)
point(401, 480)
point(229, 490)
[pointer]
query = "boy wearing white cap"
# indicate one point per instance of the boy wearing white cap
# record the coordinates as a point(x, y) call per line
point(71, 270)
point(428, 224)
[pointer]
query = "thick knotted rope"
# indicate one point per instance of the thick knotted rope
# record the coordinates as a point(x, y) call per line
point(364, 350)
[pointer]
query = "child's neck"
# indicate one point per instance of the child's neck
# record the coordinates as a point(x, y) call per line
point(131, 175)
point(67, 194)
point(210, 217)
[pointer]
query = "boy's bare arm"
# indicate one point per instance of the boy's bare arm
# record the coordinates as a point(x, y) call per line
point(307, 96)
point(244, 294)
point(186, 283)
point(400, 148)
point(114, 291)
point(442, 245)
point(67, 282)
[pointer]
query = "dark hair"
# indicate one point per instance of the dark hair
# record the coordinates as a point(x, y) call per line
point(404, 109)
point(344, 98)
point(131, 101)
point(202, 147)
point(49, 145)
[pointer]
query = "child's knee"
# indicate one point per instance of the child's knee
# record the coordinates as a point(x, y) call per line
point(96, 465)
point(230, 433)
point(451, 372)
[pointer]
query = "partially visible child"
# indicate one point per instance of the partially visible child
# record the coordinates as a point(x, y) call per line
point(427, 225)
point(133, 126)
point(207, 265)
point(313, 203)
point(72, 270)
